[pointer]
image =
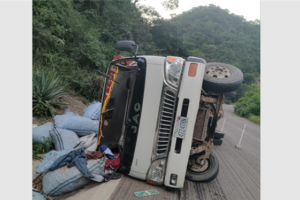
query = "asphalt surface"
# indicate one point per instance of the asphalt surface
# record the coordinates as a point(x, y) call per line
point(239, 175)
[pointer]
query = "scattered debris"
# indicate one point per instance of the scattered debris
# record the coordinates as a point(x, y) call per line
point(37, 184)
point(146, 193)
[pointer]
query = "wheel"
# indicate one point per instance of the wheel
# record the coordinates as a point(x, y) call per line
point(203, 170)
point(218, 135)
point(220, 77)
point(218, 142)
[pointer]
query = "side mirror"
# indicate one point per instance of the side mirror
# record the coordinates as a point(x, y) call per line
point(125, 45)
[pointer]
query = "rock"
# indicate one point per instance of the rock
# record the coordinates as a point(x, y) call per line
point(216, 193)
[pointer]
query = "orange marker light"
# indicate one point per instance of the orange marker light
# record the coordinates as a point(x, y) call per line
point(171, 59)
point(193, 69)
point(151, 182)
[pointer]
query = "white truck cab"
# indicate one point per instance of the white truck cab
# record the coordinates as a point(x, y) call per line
point(157, 115)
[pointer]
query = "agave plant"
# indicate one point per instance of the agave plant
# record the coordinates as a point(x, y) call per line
point(46, 92)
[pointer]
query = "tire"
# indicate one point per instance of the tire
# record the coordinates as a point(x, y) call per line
point(219, 135)
point(207, 175)
point(220, 77)
point(218, 142)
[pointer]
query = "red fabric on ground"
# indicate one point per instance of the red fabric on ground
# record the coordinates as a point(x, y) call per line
point(113, 163)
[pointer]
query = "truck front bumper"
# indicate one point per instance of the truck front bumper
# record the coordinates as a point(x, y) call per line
point(190, 89)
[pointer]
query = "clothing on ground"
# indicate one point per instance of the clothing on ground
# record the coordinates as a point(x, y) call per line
point(94, 155)
point(74, 158)
point(49, 159)
point(113, 163)
point(106, 151)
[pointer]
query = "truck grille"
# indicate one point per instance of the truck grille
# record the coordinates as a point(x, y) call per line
point(165, 122)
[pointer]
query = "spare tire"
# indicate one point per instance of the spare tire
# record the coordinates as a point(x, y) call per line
point(220, 77)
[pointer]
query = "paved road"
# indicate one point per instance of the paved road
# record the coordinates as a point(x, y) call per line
point(238, 179)
point(239, 175)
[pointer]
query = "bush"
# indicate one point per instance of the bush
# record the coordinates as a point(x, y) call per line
point(84, 101)
point(255, 119)
point(83, 81)
point(46, 91)
point(39, 147)
point(92, 88)
point(249, 103)
point(227, 100)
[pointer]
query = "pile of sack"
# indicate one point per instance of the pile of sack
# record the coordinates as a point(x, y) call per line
point(70, 129)
point(68, 170)
point(69, 167)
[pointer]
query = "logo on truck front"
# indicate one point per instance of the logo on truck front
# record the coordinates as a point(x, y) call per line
point(137, 108)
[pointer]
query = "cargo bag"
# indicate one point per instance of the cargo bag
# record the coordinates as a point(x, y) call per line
point(80, 125)
point(89, 142)
point(65, 179)
point(37, 195)
point(64, 139)
point(69, 113)
point(49, 159)
point(92, 111)
point(42, 131)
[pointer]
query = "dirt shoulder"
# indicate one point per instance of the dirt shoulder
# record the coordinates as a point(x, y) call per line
point(75, 105)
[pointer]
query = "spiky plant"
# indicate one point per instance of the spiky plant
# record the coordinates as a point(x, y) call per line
point(46, 92)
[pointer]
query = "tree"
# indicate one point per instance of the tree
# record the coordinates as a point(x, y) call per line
point(249, 103)
point(170, 4)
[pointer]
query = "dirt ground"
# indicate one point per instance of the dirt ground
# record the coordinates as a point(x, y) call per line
point(75, 105)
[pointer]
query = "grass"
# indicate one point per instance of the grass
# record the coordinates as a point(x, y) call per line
point(255, 119)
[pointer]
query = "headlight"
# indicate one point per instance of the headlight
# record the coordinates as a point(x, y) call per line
point(156, 172)
point(173, 70)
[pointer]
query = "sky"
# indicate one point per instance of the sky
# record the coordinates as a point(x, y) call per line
point(250, 9)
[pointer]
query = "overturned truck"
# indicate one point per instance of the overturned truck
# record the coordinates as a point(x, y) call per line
point(161, 113)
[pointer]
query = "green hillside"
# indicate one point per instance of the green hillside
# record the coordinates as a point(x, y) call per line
point(212, 33)
point(74, 38)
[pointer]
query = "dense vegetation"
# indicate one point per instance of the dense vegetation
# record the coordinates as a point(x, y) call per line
point(77, 37)
point(46, 92)
point(215, 35)
point(41, 147)
point(249, 105)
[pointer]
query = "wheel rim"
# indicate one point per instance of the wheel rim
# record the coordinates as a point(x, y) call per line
point(199, 166)
point(218, 72)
